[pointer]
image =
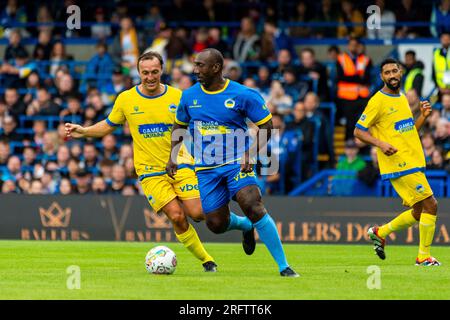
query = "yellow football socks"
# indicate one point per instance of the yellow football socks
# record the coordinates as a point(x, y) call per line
point(426, 230)
point(402, 221)
point(192, 242)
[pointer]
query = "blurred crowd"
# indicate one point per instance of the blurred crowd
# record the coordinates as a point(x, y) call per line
point(44, 87)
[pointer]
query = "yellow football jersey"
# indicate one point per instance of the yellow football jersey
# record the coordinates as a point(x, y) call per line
point(389, 119)
point(150, 119)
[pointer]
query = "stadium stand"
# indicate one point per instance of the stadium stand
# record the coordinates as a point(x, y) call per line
point(289, 51)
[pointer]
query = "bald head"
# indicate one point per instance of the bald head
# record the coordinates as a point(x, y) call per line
point(212, 56)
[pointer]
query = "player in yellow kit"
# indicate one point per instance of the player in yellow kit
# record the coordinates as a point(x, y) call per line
point(149, 108)
point(387, 123)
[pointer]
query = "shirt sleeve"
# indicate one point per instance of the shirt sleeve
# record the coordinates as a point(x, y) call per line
point(116, 118)
point(256, 109)
point(369, 116)
point(182, 117)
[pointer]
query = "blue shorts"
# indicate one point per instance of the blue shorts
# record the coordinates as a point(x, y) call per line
point(219, 185)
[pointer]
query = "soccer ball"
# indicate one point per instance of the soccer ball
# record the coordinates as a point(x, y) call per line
point(161, 260)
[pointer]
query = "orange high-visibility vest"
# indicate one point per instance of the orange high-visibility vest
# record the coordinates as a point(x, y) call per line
point(351, 90)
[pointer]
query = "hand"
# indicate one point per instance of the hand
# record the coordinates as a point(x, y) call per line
point(425, 108)
point(74, 130)
point(171, 168)
point(246, 165)
point(387, 148)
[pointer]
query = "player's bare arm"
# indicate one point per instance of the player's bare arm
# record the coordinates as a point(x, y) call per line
point(97, 130)
point(366, 137)
point(178, 131)
point(425, 112)
point(259, 144)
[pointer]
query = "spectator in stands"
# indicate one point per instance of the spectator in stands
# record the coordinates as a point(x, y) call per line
point(185, 82)
point(350, 15)
point(15, 74)
point(200, 40)
point(73, 108)
point(10, 133)
point(263, 81)
point(413, 74)
point(100, 29)
point(90, 157)
point(14, 47)
point(62, 138)
point(49, 184)
point(215, 41)
point(39, 128)
point(126, 47)
point(387, 20)
point(23, 186)
point(325, 138)
point(179, 11)
point(12, 14)
point(5, 152)
point(316, 71)
point(65, 88)
point(414, 102)
point(99, 68)
point(409, 11)
point(118, 179)
point(14, 103)
point(112, 89)
point(232, 70)
point(302, 15)
point(440, 19)
point(59, 57)
point(152, 21)
point(99, 185)
point(327, 13)
point(33, 83)
point(13, 169)
point(65, 187)
point(126, 151)
point(441, 134)
point(106, 166)
point(295, 89)
point(73, 167)
point(29, 156)
point(371, 172)
point(440, 74)
point(83, 185)
point(301, 122)
point(43, 104)
point(284, 61)
point(121, 11)
point(110, 150)
point(428, 146)
point(177, 51)
point(209, 11)
point(49, 145)
point(445, 102)
point(247, 45)
point(273, 40)
point(353, 81)
point(351, 161)
point(3, 110)
point(63, 157)
point(437, 161)
point(279, 100)
point(45, 18)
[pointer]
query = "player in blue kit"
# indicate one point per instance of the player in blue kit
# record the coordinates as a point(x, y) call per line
point(215, 110)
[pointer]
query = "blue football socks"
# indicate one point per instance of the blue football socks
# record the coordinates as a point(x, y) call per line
point(239, 223)
point(268, 233)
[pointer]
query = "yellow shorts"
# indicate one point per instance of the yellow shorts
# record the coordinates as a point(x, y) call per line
point(160, 190)
point(412, 188)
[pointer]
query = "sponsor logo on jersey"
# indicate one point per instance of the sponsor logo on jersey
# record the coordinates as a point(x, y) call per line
point(229, 103)
point(154, 130)
point(189, 187)
point(403, 126)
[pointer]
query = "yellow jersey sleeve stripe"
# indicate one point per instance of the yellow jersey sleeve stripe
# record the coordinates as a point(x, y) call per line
point(181, 122)
point(264, 120)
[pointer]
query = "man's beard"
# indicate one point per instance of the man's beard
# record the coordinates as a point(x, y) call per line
point(393, 88)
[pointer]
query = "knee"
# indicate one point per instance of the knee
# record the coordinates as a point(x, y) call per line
point(255, 211)
point(431, 206)
point(177, 218)
point(197, 216)
point(216, 226)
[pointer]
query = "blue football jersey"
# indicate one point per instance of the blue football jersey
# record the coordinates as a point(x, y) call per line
point(217, 121)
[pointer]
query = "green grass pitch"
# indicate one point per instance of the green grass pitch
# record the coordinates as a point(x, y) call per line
point(115, 270)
